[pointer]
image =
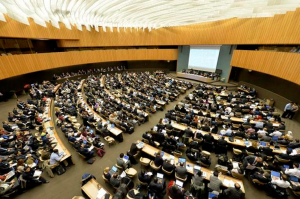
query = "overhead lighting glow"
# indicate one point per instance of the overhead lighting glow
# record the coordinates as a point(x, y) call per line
point(138, 14)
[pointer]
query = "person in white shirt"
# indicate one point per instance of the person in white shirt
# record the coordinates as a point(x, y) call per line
point(293, 172)
point(276, 134)
point(228, 109)
point(262, 132)
point(281, 183)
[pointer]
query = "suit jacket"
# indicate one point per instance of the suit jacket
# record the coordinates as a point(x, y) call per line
point(133, 149)
point(234, 193)
point(158, 161)
point(144, 178)
point(121, 163)
point(181, 172)
point(222, 143)
point(168, 167)
point(208, 138)
point(215, 183)
point(115, 182)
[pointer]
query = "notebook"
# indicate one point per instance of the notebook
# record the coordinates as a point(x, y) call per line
point(179, 183)
point(286, 166)
point(160, 175)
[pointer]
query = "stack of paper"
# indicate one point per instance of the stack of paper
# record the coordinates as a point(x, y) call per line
point(101, 193)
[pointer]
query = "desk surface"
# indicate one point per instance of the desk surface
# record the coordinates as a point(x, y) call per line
point(150, 150)
point(60, 146)
point(237, 142)
point(91, 189)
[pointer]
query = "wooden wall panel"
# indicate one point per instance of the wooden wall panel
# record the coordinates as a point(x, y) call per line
point(280, 64)
point(15, 65)
point(280, 29)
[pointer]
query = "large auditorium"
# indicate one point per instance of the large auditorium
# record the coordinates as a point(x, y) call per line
point(149, 99)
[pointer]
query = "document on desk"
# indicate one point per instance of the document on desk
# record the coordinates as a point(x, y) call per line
point(235, 165)
point(101, 193)
point(228, 183)
point(189, 168)
point(37, 173)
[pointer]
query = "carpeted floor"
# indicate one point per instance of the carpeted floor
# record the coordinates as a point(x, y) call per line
point(68, 185)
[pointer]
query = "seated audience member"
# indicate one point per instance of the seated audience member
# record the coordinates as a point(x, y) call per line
point(144, 177)
point(295, 171)
point(122, 163)
point(197, 184)
point(176, 192)
point(31, 180)
point(262, 177)
point(208, 138)
point(286, 155)
point(192, 155)
point(115, 180)
point(252, 160)
point(85, 151)
point(181, 171)
point(214, 182)
point(106, 173)
point(295, 144)
point(156, 188)
point(234, 192)
point(168, 166)
point(277, 187)
point(8, 187)
point(55, 158)
point(158, 161)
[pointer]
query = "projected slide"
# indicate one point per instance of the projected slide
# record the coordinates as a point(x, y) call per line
point(204, 57)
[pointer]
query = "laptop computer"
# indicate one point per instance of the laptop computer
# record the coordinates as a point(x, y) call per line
point(286, 166)
point(182, 160)
point(263, 144)
point(113, 170)
point(275, 138)
point(179, 183)
point(294, 179)
point(212, 195)
point(125, 158)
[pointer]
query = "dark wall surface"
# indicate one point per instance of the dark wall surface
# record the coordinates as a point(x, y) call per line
point(268, 86)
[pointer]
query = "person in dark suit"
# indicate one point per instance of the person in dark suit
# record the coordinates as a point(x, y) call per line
point(286, 155)
point(266, 150)
point(181, 171)
point(84, 151)
point(252, 160)
point(144, 177)
point(208, 138)
point(234, 192)
point(157, 188)
point(262, 177)
point(28, 176)
point(188, 133)
point(158, 161)
point(115, 180)
point(176, 192)
point(133, 149)
point(168, 166)
point(222, 142)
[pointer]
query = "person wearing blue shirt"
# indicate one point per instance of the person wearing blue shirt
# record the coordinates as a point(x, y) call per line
point(287, 110)
point(55, 157)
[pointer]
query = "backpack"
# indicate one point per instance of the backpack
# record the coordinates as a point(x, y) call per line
point(223, 160)
point(60, 170)
point(100, 152)
point(91, 160)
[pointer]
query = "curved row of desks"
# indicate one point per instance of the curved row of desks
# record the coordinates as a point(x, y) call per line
point(82, 99)
point(226, 180)
point(50, 128)
point(237, 142)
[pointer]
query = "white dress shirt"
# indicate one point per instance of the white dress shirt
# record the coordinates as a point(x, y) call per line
point(293, 172)
point(281, 183)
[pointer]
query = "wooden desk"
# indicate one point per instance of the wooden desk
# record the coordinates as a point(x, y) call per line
point(150, 150)
point(237, 142)
point(243, 90)
point(60, 146)
point(91, 189)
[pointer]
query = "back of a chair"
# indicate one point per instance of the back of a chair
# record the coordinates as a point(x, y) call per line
point(167, 172)
point(237, 175)
point(255, 181)
point(237, 151)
